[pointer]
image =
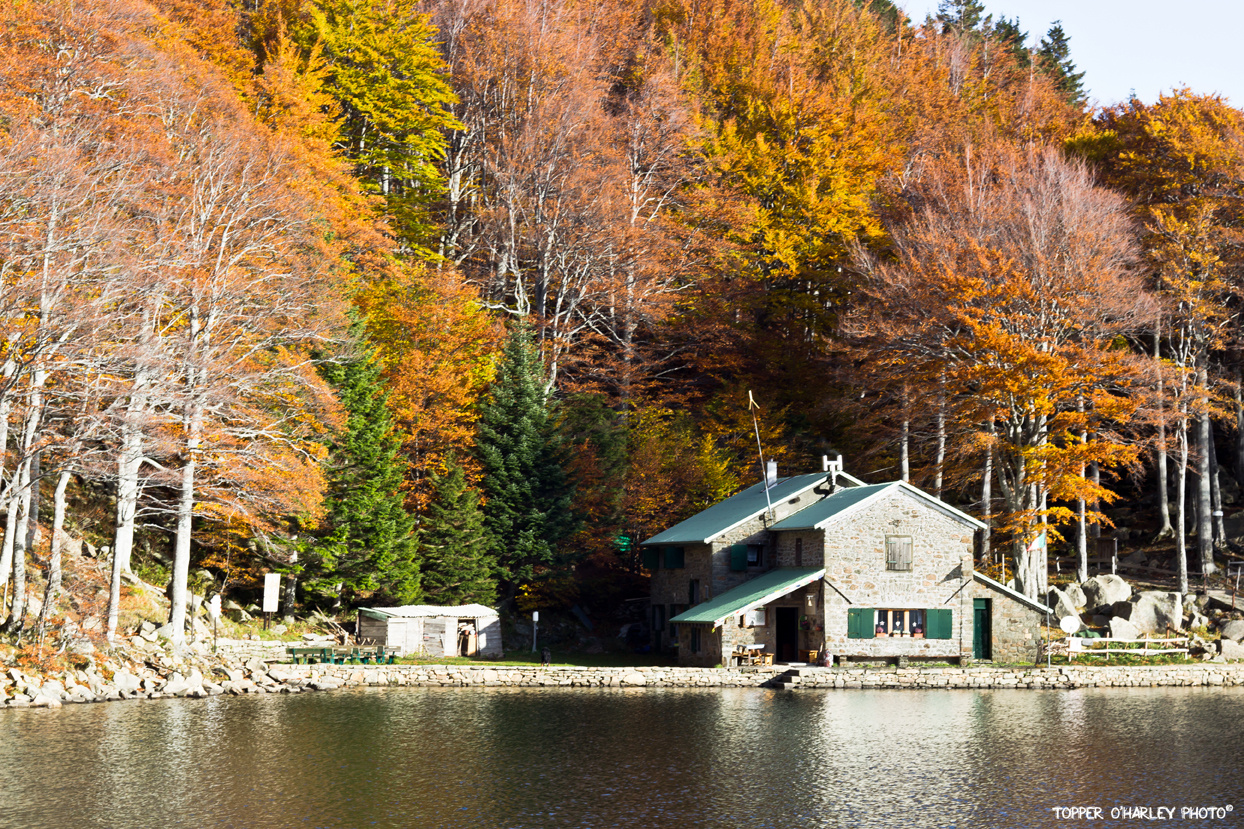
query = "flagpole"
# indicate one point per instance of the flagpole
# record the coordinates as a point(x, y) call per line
point(764, 473)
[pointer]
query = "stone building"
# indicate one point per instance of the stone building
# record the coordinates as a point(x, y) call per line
point(799, 567)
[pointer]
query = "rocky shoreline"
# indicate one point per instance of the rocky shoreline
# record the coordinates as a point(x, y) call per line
point(116, 682)
point(145, 666)
point(1059, 677)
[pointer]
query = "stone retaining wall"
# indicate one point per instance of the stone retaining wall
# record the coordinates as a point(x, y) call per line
point(1075, 676)
point(243, 650)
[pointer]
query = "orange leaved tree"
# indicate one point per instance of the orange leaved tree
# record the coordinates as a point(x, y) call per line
point(1010, 285)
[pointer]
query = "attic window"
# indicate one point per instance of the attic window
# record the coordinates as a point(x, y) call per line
point(898, 552)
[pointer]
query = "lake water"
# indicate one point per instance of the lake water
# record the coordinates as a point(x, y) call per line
point(626, 758)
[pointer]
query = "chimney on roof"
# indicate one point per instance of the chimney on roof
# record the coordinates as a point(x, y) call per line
point(770, 473)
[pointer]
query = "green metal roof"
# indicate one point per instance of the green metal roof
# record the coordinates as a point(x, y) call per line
point(704, 526)
point(818, 515)
point(748, 595)
point(842, 500)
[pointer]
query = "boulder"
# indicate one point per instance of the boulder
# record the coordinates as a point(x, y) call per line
point(1196, 621)
point(54, 689)
point(125, 681)
point(1076, 596)
point(280, 630)
point(176, 686)
point(1152, 612)
point(257, 667)
point(1062, 605)
point(1230, 650)
point(1123, 629)
point(1103, 590)
point(1233, 630)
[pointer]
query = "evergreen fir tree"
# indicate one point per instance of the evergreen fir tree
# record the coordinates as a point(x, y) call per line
point(456, 567)
point(1014, 39)
point(527, 511)
point(962, 15)
point(1054, 56)
point(369, 548)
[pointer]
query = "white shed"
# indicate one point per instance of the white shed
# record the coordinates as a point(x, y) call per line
point(432, 630)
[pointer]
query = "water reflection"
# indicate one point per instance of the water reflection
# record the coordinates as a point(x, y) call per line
point(628, 758)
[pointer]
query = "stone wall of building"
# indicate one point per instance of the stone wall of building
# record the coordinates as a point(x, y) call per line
point(1016, 627)
point(856, 576)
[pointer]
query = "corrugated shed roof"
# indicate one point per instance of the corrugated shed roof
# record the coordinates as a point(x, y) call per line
point(748, 595)
point(706, 525)
point(841, 501)
point(466, 611)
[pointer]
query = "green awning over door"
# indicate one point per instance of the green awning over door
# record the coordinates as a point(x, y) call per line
point(749, 595)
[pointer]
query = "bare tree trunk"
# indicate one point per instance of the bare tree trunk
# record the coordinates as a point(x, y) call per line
point(1094, 529)
point(36, 491)
point(1239, 428)
point(181, 554)
point(1081, 526)
point(1164, 498)
point(1181, 497)
point(904, 463)
point(987, 499)
point(941, 440)
point(128, 464)
point(51, 593)
point(1215, 495)
point(1204, 529)
point(18, 610)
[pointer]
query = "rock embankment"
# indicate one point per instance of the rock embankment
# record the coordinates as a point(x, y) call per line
point(147, 667)
point(117, 682)
point(1068, 676)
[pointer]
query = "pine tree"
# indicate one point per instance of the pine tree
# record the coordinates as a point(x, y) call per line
point(369, 548)
point(1015, 39)
point(455, 565)
point(1054, 56)
point(527, 511)
point(962, 15)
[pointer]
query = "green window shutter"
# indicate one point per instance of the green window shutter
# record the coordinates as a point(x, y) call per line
point(651, 560)
point(738, 557)
point(674, 557)
point(860, 623)
point(939, 624)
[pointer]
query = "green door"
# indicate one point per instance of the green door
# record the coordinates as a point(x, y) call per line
point(982, 632)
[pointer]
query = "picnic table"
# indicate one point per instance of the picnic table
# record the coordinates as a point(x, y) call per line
point(753, 655)
point(334, 654)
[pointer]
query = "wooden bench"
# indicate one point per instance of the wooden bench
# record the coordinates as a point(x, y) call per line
point(339, 655)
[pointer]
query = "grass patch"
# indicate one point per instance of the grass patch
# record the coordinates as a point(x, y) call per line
point(560, 660)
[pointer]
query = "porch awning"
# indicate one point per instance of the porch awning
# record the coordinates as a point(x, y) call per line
point(749, 595)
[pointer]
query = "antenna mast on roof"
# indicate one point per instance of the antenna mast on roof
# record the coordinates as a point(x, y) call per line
point(753, 407)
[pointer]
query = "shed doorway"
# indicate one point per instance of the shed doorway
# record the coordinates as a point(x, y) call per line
point(982, 629)
point(787, 634)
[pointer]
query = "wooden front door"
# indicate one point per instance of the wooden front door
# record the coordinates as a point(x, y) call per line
point(982, 629)
point(787, 634)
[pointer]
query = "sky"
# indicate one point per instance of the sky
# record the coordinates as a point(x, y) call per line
point(1142, 46)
